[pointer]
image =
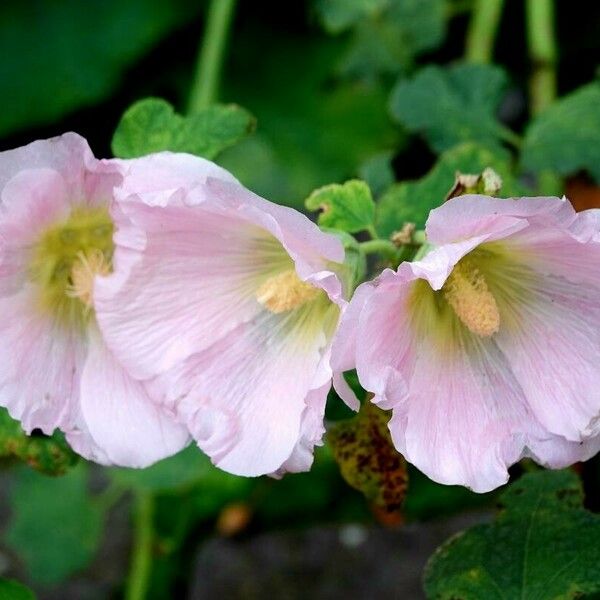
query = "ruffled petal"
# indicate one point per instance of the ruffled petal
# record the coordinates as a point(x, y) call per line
point(126, 428)
point(553, 353)
point(253, 397)
point(40, 364)
point(158, 176)
point(469, 216)
point(312, 430)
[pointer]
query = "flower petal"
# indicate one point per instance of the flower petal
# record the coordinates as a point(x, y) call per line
point(254, 394)
point(468, 216)
point(128, 428)
point(39, 365)
point(554, 355)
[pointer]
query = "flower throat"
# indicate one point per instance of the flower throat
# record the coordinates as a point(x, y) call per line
point(66, 260)
point(467, 292)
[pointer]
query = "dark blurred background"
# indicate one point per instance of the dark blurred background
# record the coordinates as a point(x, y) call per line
point(321, 102)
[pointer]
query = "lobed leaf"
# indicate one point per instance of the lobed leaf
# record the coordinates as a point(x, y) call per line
point(566, 137)
point(542, 545)
point(387, 35)
point(348, 207)
point(452, 105)
point(151, 125)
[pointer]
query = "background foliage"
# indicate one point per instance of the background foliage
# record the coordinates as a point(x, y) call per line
point(363, 110)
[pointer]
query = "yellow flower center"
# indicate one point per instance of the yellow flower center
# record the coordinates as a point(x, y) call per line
point(467, 292)
point(285, 291)
point(66, 259)
point(83, 272)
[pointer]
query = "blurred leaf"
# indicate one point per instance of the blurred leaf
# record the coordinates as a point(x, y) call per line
point(566, 137)
point(542, 545)
point(377, 171)
point(411, 201)
point(387, 35)
point(13, 590)
point(63, 54)
point(151, 125)
point(183, 470)
point(312, 130)
point(48, 454)
point(348, 207)
point(55, 527)
point(367, 458)
point(338, 15)
point(452, 105)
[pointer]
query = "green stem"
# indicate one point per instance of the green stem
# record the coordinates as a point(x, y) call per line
point(385, 247)
point(205, 85)
point(509, 136)
point(541, 41)
point(482, 30)
point(141, 562)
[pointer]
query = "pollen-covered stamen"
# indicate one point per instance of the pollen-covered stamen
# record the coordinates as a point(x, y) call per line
point(285, 291)
point(468, 294)
point(83, 273)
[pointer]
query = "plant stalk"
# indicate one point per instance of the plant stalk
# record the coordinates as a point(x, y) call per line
point(541, 40)
point(141, 562)
point(483, 27)
point(209, 65)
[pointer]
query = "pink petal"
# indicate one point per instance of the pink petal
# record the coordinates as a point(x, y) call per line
point(158, 176)
point(252, 396)
point(123, 423)
point(40, 365)
point(471, 215)
point(554, 355)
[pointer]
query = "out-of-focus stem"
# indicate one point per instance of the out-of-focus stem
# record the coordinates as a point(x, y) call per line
point(207, 76)
point(481, 34)
point(384, 247)
point(542, 53)
point(141, 560)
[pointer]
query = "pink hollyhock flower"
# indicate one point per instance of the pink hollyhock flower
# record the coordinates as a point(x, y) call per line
point(55, 371)
point(487, 350)
point(225, 304)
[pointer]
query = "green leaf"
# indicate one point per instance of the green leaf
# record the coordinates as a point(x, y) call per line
point(566, 137)
point(378, 172)
point(542, 545)
point(387, 35)
point(48, 454)
point(183, 470)
point(151, 125)
point(13, 590)
point(411, 201)
point(55, 527)
point(61, 55)
point(368, 461)
point(452, 105)
point(338, 15)
point(348, 207)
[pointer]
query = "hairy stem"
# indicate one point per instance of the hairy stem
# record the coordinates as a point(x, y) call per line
point(542, 53)
point(207, 76)
point(481, 34)
point(141, 562)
